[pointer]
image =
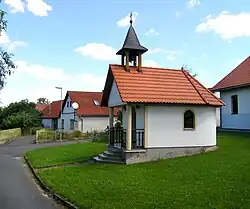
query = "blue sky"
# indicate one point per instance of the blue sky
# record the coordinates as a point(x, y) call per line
point(70, 43)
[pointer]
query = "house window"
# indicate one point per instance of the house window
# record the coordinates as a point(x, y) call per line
point(96, 103)
point(189, 120)
point(69, 104)
point(234, 101)
point(72, 124)
point(62, 124)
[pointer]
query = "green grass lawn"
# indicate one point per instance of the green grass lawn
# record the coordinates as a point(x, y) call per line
point(219, 179)
point(64, 154)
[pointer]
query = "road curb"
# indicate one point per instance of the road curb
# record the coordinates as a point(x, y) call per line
point(55, 196)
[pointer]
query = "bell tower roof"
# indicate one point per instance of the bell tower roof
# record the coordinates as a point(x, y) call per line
point(131, 41)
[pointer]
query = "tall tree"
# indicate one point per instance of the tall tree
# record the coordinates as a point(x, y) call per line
point(189, 70)
point(42, 100)
point(20, 115)
point(6, 64)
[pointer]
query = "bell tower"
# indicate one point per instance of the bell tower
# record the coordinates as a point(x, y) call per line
point(131, 51)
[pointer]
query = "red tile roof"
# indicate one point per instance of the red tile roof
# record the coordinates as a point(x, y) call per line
point(158, 85)
point(86, 103)
point(52, 110)
point(240, 76)
point(40, 107)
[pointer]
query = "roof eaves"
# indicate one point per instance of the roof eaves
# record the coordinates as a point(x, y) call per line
point(186, 75)
point(209, 91)
point(230, 87)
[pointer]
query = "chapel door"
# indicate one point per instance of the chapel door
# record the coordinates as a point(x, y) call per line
point(133, 127)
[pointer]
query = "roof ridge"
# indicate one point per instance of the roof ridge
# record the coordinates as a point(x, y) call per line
point(56, 101)
point(156, 68)
point(207, 90)
point(86, 91)
point(187, 76)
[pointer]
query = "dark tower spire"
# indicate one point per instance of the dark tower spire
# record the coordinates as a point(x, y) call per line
point(131, 48)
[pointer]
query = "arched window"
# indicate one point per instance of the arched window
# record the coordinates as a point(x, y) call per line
point(189, 119)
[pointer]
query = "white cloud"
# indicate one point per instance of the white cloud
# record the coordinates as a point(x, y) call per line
point(226, 25)
point(193, 3)
point(15, 5)
point(152, 32)
point(15, 44)
point(155, 50)
point(98, 51)
point(171, 55)
point(177, 14)
point(124, 22)
point(38, 7)
point(4, 38)
point(240, 60)
point(10, 45)
point(32, 81)
point(150, 63)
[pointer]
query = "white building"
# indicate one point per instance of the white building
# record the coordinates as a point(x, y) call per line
point(234, 90)
point(166, 112)
point(89, 116)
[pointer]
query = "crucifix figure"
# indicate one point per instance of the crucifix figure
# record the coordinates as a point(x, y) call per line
point(131, 20)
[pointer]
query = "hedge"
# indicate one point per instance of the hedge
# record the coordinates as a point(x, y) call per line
point(10, 134)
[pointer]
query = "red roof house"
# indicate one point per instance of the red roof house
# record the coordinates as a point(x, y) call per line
point(52, 110)
point(165, 112)
point(234, 90)
point(89, 103)
point(40, 107)
point(239, 77)
point(89, 115)
point(51, 114)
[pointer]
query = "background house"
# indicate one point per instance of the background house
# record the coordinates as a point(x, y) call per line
point(234, 90)
point(40, 107)
point(89, 116)
point(51, 115)
point(217, 94)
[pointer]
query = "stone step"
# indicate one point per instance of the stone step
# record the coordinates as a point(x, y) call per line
point(97, 159)
point(110, 157)
point(115, 154)
point(114, 149)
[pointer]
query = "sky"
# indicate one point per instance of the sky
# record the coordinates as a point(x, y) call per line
point(70, 43)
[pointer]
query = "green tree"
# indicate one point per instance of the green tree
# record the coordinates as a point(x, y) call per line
point(6, 63)
point(23, 120)
point(189, 70)
point(20, 115)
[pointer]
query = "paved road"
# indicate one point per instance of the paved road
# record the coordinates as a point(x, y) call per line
point(18, 190)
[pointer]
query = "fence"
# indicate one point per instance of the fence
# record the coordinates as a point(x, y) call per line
point(45, 135)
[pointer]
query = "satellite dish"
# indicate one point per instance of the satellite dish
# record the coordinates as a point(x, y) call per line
point(75, 105)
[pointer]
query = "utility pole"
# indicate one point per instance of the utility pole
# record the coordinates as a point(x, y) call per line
point(60, 88)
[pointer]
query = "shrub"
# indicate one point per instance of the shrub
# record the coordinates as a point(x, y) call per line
point(43, 134)
point(103, 137)
point(34, 129)
point(77, 134)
